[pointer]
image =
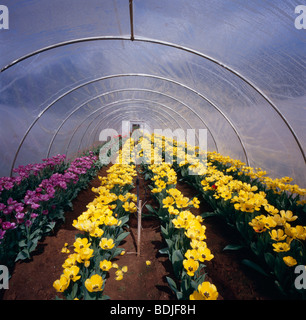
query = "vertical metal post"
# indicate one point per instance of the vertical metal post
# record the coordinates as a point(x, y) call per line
point(139, 228)
point(131, 19)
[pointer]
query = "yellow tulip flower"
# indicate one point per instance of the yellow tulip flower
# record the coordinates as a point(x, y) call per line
point(204, 254)
point(62, 284)
point(70, 261)
point(281, 247)
point(290, 262)
point(72, 273)
point(97, 232)
point(192, 254)
point(288, 215)
point(191, 266)
point(84, 256)
point(168, 201)
point(94, 283)
point(206, 291)
point(107, 244)
point(119, 275)
point(278, 235)
point(105, 265)
point(80, 244)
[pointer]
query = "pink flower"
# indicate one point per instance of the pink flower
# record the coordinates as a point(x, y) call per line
point(8, 185)
point(19, 208)
point(2, 233)
point(11, 201)
point(20, 217)
point(35, 206)
point(8, 225)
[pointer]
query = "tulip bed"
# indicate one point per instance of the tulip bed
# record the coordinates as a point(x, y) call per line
point(33, 201)
point(103, 227)
point(268, 213)
point(183, 232)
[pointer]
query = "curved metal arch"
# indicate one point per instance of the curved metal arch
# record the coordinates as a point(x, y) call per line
point(130, 75)
point(122, 90)
point(116, 117)
point(163, 105)
point(110, 113)
point(146, 101)
point(173, 45)
point(108, 105)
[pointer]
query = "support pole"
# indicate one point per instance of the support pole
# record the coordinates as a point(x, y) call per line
point(139, 228)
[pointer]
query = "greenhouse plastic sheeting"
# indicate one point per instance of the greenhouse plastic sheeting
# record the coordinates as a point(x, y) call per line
point(72, 68)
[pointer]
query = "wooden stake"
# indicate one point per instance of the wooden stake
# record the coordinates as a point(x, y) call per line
point(139, 228)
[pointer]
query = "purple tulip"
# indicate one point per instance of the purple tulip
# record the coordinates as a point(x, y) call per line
point(8, 225)
point(11, 201)
point(19, 208)
point(2, 233)
point(34, 215)
point(20, 217)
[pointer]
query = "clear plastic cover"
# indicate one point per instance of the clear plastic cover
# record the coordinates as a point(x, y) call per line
point(70, 69)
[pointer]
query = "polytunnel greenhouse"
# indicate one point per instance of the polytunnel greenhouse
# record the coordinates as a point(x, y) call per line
point(216, 86)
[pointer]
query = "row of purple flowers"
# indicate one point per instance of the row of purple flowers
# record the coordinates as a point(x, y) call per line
point(23, 174)
point(25, 218)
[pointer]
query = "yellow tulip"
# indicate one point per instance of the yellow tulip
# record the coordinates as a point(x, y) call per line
point(72, 273)
point(107, 244)
point(94, 283)
point(192, 254)
point(288, 215)
point(278, 235)
point(62, 284)
point(290, 262)
point(191, 266)
point(168, 201)
point(85, 255)
point(281, 247)
point(105, 265)
point(80, 244)
point(206, 291)
point(70, 261)
point(119, 275)
point(204, 254)
point(97, 232)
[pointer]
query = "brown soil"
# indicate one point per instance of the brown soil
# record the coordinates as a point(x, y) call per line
point(33, 279)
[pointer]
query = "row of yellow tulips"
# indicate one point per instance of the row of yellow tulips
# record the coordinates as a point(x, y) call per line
point(102, 226)
point(268, 213)
point(183, 232)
